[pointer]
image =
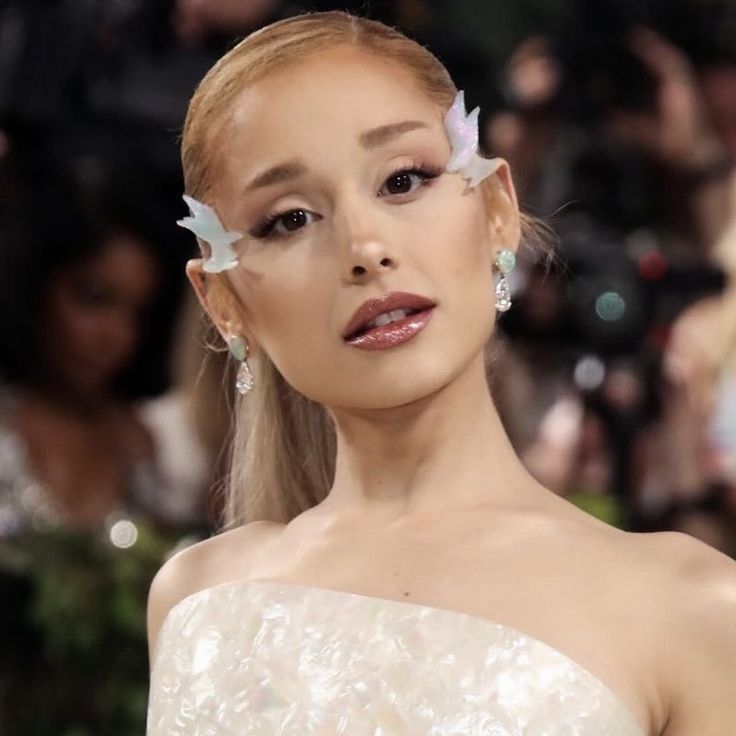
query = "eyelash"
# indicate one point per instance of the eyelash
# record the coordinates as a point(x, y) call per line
point(265, 229)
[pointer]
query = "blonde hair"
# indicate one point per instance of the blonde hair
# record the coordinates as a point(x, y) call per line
point(283, 451)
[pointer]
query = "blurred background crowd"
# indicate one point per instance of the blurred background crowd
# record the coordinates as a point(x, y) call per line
point(616, 373)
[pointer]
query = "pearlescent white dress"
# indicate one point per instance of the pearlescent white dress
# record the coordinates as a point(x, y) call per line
point(263, 658)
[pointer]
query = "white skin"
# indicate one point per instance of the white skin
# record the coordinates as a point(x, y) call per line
point(429, 498)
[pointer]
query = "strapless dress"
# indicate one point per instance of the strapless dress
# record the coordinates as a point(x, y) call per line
point(266, 658)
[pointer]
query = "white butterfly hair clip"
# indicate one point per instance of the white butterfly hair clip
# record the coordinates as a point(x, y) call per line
point(206, 225)
point(462, 130)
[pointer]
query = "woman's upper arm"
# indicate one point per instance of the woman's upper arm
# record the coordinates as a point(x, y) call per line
point(172, 583)
point(202, 565)
point(704, 644)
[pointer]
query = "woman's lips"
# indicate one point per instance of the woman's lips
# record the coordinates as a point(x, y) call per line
point(394, 333)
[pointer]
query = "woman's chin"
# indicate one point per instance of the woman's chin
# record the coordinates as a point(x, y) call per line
point(384, 396)
point(395, 384)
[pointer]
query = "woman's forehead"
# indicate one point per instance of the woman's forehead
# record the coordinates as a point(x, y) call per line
point(339, 92)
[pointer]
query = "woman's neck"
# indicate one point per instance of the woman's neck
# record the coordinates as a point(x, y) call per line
point(445, 452)
point(61, 401)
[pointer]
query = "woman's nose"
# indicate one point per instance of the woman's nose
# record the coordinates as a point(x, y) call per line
point(367, 265)
point(366, 249)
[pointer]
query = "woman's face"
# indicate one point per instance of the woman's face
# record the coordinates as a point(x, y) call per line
point(354, 211)
point(93, 315)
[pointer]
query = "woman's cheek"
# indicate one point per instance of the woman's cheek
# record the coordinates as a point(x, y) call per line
point(288, 317)
point(469, 250)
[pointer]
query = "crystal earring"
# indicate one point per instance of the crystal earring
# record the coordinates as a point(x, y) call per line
point(239, 349)
point(505, 262)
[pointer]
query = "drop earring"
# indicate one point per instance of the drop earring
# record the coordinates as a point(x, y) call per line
point(239, 349)
point(505, 263)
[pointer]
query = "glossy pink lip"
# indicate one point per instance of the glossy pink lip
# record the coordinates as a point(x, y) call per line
point(378, 338)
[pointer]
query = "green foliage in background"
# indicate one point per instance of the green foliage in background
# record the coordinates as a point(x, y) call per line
point(75, 662)
point(601, 505)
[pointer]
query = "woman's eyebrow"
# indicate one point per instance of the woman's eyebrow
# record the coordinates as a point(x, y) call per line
point(277, 174)
point(368, 139)
point(375, 137)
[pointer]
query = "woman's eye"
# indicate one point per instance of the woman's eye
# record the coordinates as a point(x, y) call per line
point(283, 224)
point(408, 180)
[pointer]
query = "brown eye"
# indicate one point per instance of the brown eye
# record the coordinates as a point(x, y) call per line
point(281, 225)
point(399, 183)
point(407, 181)
point(294, 220)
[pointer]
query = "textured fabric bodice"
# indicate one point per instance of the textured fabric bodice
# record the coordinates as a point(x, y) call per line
point(258, 658)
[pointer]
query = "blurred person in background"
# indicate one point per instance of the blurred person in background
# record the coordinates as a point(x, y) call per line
point(691, 469)
point(686, 476)
point(688, 132)
point(81, 279)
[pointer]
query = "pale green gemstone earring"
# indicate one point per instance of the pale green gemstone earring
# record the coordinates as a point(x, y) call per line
point(239, 349)
point(505, 263)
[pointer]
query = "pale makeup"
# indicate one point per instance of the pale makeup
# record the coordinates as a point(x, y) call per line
point(339, 203)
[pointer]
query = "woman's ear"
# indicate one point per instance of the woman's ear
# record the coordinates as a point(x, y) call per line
point(502, 209)
point(215, 298)
point(195, 274)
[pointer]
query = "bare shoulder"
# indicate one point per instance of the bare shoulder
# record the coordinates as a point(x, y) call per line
point(695, 607)
point(223, 557)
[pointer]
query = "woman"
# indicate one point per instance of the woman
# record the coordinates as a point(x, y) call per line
point(72, 451)
point(387, 547)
